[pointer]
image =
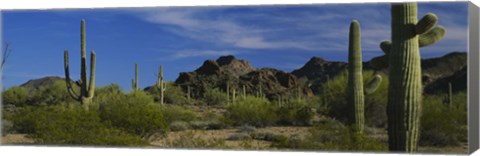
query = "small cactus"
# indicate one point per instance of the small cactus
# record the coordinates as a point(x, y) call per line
point(135, 81)
point(447, 100)
point(161, 84)
point(86, 92)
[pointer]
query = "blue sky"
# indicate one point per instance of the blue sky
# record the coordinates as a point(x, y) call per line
point(181, 38)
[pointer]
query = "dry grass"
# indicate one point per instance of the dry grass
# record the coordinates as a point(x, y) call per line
point(10, 139)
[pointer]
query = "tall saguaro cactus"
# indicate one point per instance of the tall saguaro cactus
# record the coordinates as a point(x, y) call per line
point(355, 91)
point(161, 84)
point(135, 81)
point(355, 78)
point(402, 56)
point(447, 100)
point(86, 92)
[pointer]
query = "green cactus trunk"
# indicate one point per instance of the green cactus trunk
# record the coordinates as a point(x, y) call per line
point(355, 79)
point(405, 87)
point(448, 98)
point(228, 93)
point(161, 84)
point(244, 92)
point(86, 92)
point(135, 81)
point(188, 93)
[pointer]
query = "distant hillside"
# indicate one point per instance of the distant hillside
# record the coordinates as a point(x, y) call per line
point(45, 81)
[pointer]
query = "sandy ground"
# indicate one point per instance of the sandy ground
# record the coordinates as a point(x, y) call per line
point(16, 139)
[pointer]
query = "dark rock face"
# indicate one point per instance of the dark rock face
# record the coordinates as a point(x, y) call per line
point(457, 79)
point(319, 69)
point(239, 73)
point(273, 83)
point(436, 72)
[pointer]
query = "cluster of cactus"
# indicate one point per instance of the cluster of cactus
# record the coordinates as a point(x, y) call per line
point(259, 92)
point(233, 96)
point(402, 56)
point(161, 84)
point(135, 81)
point(355, 90)
point(86, 92)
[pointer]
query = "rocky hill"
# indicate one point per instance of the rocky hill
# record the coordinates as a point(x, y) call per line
point(45, 81)
point(239, 73)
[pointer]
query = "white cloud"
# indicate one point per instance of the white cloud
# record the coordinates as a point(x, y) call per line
point(197, 53)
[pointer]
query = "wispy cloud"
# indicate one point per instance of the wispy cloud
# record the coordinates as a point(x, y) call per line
point(309, 28)
point(197, 53)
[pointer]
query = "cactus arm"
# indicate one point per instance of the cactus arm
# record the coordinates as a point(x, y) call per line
point(91, 87)
point(426, 23)
point(83, 59)
point(432, 36)
point(373, 84)
point(385, 46)
point(67, 77)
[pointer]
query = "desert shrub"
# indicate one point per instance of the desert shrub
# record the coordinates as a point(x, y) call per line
point(17, 96)
point(135, 113)
point(443, 125)
point(202, 125)
point(172, 113)
point(253, 111)
point(215, 97)
point(333, 94)
point(173, 94)
point(239, 136)
point(179, 126)
point(331, 135)
point(52, 94)
point(246, 128)
point(191, 140)
point(295, 112)
point(71, 126)
point(7, 127)
point(267, 136)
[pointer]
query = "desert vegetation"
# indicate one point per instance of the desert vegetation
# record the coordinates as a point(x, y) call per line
point(227, 104)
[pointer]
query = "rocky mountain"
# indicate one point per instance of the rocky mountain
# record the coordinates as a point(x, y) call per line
point(238, 73)
point(317, 70)
point(457, 79)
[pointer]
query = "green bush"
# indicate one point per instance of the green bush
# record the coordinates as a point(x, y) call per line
point(173, 94)
point(253, 111)
point(295, 112)
point(172, 113)
point(215, 97)
point(134, 113)
point(179, 126)
point(71, 126)
point(52, 94)
point(333, 95)
point(7, 127)
point(17, 96)
point(443, 125)
point(190, 140)
point(332, 136)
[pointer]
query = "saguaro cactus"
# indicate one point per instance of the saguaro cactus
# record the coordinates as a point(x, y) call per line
point(161, 85)
point(448, 98)
point(405, 87)
point(135, 81)
point(355, 80)
point(86, 92)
